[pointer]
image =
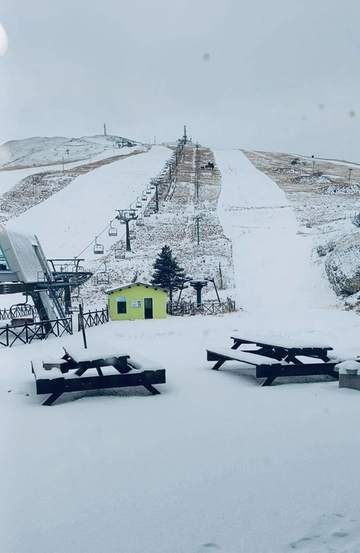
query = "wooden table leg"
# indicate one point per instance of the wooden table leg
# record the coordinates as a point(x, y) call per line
point(50, 400)
point(269, 381)
point(218, 364)
point(151, 389)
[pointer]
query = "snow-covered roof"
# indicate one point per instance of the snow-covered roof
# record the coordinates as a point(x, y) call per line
point(24, 255)
point(132, 284)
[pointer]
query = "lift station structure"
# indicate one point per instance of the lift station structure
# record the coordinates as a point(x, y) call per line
point(25, 269)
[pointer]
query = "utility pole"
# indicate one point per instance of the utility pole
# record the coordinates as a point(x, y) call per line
point(127, 215)
point(156, 183)
point(104, 129)
point(197, 171)
point(350, 175)
point(197, 219)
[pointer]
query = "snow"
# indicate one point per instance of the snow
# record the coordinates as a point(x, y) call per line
point(52, 151)
point(216, 462)
point(75, 223)
point(250, 358)
point(95, 351)
point(348, 365)
point(281, 343)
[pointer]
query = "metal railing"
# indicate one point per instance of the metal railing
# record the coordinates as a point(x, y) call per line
point(93, 318)
point(29, 331)
point(205, 308)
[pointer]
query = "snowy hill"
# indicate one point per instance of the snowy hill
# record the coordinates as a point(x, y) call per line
point(69, 208)
point(38, 151)
point(216, 462)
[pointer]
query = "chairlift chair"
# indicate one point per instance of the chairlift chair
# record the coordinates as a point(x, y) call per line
point(148, 190)
point(144, 197)
point(75, 302)
point(112, 230)
point(98, 248)
point(119, 253)
point(138, 204)
point(140, 221)
point(132, 235)
point(102, 278)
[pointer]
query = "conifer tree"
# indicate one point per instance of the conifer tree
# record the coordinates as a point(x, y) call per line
point(168, 274)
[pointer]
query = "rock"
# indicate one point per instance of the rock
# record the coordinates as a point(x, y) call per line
point(343, 268)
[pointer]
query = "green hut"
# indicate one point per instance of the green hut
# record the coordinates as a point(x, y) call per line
point(137, 301)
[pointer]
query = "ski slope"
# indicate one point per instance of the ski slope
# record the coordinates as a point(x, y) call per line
point(68, 222)
point(272, 257)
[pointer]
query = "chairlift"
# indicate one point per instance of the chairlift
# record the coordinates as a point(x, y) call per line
point(78, 269)
point(112, 230)
point(103, 278)
point(98, 248)
point(76, 300)
point(119, 253)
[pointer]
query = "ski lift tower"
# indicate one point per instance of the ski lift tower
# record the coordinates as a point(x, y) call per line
point(185, 136)
point(198, 285)
point(125, 216)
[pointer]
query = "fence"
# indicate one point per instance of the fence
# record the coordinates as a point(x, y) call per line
point(17, 312)
point(30, 331)
point(93, 318)
point(205, 308)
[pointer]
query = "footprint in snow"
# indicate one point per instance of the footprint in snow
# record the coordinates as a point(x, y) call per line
point(334, 533)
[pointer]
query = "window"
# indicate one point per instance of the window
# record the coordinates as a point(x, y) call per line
point(121, 305)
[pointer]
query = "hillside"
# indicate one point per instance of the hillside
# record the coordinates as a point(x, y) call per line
point(325, 198)
point(44, 151)
point(228, 449)
point(86, 196)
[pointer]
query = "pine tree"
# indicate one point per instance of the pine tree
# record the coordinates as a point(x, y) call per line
point(168, 274)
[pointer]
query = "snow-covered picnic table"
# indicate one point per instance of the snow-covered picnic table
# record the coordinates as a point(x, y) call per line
point(98, 367)
point(283, 349)
point(274, 357)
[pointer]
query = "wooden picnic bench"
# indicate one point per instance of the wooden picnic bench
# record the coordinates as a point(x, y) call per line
point(95, 368)
point(276, 357)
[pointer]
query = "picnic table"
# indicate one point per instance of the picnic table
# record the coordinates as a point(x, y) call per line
point(101, 366)
point(276, 357)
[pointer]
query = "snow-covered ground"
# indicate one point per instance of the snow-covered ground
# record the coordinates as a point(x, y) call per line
point(46, 151)
point(67, 222)
point(216, 462)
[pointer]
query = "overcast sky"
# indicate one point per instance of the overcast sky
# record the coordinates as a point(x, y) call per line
point(278, 75)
